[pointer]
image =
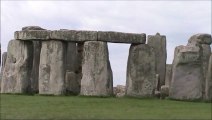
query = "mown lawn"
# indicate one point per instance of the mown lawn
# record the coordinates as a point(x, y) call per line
point(78, 107)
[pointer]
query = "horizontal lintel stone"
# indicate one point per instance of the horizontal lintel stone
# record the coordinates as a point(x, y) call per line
point(32, 35)
point(119, 37)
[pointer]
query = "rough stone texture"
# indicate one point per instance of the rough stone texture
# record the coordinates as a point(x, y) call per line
point(157, 82)
point(18, 66)
point(119, 91)
point(158, 43)
point(164, 91)
point(35, 68)
point(96, 79)
point(168, 74)
point(4, 57)
point(203, 41)
point(141, 71)
point(119, 37)
point(71, 81)
point(200, 39)
point(52, 68)
point(79, 61)
point(32, 28)
point(73, 35)
point(208, 89)
point(187, 73)
point(32, 35)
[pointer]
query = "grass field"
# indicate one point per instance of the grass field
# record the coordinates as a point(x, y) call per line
point(76, 107)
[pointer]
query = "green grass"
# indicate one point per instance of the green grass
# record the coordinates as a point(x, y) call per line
point(78, 107)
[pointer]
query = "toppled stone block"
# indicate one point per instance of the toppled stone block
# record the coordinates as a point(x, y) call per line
point(18, 66)
point(158, 43)
point(141, 71)
point(96, 71)
point(187, 76)
point(119, 91)
point(119, 37)
point(52, 68)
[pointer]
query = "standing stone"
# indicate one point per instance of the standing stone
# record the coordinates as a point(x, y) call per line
point(203, 41)
point(209, 81)
point(141, 71)
point(79, 62)
point(71, 81)
point(52, 67)
point(18, 66)
point(35, 68)
point(168, 74)
point(187, 76)
point(4, 57)
point(96, 74)
point(158, 43)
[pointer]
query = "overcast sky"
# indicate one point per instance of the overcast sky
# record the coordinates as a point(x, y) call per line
point(178, 20)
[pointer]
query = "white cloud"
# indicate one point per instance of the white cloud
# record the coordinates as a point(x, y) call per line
point(178, 20)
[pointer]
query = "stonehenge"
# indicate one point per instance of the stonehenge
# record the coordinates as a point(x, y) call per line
point(76, 62)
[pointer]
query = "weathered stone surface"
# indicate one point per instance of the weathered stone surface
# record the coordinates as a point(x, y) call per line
point(119, 91)
point(187, 73)
point(119, 37)
point(32, 28)
point(32, 35)
point(200, 39)
point(71, 81)
point(141, 71)
point(79, 61)
point(168, 74)
point(208, 90)
point(96, 74)
point(158, 43)
point(4, 57)
point(18, 66)
point(164, 91)
point(35, 68)
point(52, 67)
point(73, 35)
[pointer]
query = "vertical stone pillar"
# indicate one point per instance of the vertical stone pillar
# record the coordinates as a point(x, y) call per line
point(35, 68)
point(71, 81)
point(52, 67)
point(18, 66)
point(187, 74)
point(96, 71)
point(168, 74)
point(4, 57)
point(141, 71)
point(158, 43)
point(208, 89)
point(203, 41)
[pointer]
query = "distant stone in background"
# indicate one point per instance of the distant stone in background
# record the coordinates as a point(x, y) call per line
point(96, 74)
point(208, 90)
point(203, 41)
point(187, 74)
point(168, 74)
point(18, 67)
point(52, 68)
point(119, 91)
point(4, 57)
point(158, 43)
point(141, 71)
point(35, 68)
point(71, 81)
point(79, 62)
point(164, 91)
point(32, 28)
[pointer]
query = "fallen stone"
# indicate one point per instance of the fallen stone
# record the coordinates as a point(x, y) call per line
point(96, 74)
point(158, 43)
point(187, 76)
point(208, 90)
point(18, 66)
point(52, 68)
point(141, 71)
point(119, 37)
point(119, 91)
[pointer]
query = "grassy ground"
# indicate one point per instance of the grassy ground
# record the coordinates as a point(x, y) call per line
point(75, 107)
